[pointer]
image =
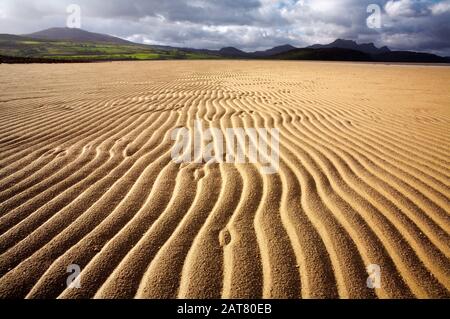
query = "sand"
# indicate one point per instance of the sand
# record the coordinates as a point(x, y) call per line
point(87, 178)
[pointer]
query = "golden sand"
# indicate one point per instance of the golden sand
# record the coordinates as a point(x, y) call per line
point(86, 178)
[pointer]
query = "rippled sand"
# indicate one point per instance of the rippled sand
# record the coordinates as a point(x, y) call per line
point(86, 178)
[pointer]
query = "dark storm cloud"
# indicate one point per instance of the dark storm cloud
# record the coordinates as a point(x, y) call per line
point(420, 25)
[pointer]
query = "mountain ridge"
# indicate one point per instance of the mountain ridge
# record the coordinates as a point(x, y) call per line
point(368, 48)
point(338, 50)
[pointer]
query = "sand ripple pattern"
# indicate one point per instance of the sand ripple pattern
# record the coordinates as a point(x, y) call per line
point(86, 178)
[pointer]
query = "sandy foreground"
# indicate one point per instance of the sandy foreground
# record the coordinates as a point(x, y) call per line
point(87, 178)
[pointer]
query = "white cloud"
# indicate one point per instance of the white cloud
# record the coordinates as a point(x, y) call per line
point(440, 8)
point(325, 6)
point(399, 8)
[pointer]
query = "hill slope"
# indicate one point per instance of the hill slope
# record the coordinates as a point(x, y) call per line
point(276, 50)
point(24, 49)
point(78, 35)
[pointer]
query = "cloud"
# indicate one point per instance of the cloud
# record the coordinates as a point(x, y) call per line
point(402, 8)
point(420, 25)
point(440, 8)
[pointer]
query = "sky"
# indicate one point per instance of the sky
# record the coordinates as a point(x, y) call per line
point(418, 25)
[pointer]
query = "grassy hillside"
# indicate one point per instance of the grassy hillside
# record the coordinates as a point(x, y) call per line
point(16, 46)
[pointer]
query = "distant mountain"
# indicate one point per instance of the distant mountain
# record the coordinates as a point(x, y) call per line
point(77, 35)
point(276, 50)
point(368, 48)
point(324, 54)
point(52, 45)
point(233, 53)
point(339, 50)
point(236, 53)
point(338, 54)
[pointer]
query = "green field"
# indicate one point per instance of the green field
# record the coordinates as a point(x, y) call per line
point(66, 50)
